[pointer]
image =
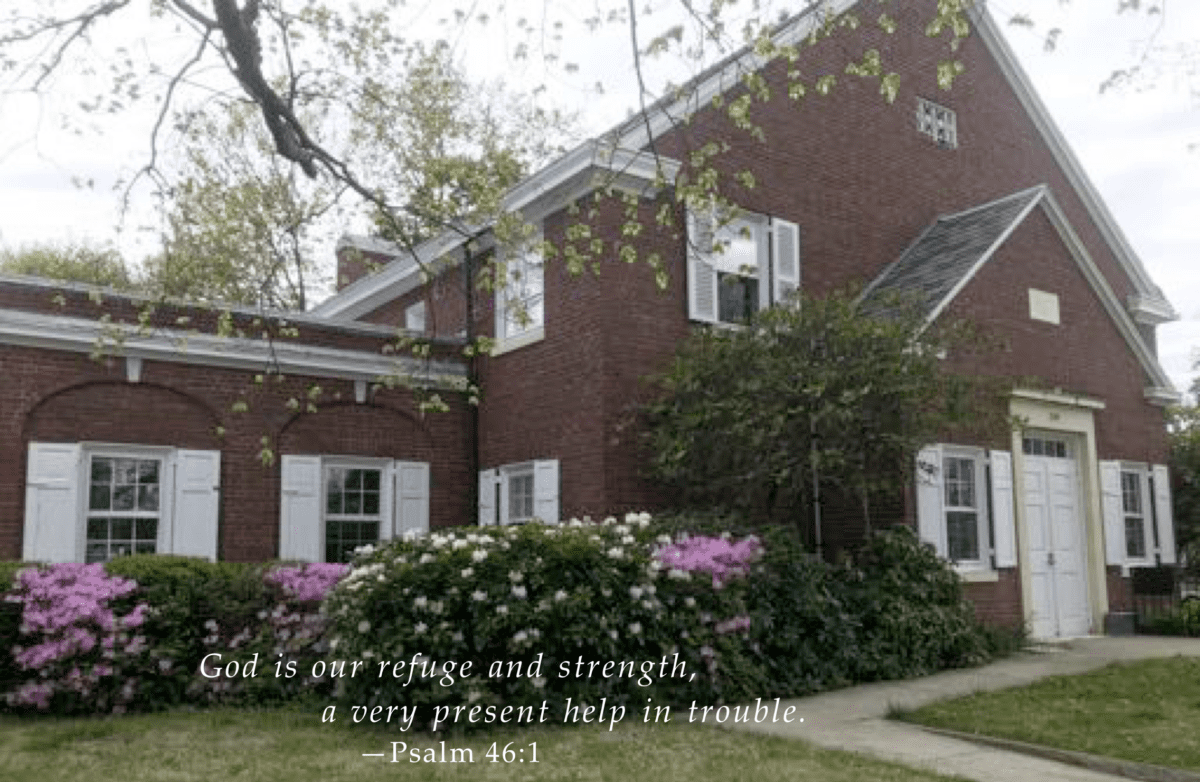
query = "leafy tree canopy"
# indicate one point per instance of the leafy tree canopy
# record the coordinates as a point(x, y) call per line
point(70, 262)
point(809, 398)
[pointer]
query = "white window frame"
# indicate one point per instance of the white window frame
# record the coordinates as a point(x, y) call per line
point(1158, 524)
point(978, 462)
point(162, 457)
point(937, 122)
point(776, 267)
point(328, 466)
point(520, 297)
point(1139, 477)
point(994, 493)
point(58, 499)
point(404, 500)
point(496, 493)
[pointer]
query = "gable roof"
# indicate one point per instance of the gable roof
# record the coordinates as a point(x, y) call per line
point(951, 251)
point(629, 138)
point(946, 256)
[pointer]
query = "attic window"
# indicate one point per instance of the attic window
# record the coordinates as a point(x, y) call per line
point(937, 122)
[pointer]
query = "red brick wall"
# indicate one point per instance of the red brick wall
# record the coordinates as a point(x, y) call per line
point(66, 397)
point(998, 603)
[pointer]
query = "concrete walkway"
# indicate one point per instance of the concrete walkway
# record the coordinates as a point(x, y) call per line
point(855, 719)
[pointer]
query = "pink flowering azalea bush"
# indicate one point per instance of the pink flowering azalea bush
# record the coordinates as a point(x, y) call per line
point(77, 650)
point(131, 635)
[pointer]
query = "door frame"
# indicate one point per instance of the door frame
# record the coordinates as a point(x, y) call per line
point(1073, 416)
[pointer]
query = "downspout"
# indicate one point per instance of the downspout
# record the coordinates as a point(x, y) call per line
point(472, 366)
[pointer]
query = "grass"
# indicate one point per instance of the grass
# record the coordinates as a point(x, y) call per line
point(1147, 712)
point(282, 745)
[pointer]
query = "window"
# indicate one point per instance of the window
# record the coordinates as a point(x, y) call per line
point(937, 122)
point(519, 493)
point(352, 510)
point(520, 300)
point(739, 264)
point(414, 317)
point(965, 508)
point(92, 502)
point(123, 507)
point(520, 496)
point(961, 508)
point(1055, 447)
point(332, 505)
point(1139, 529)
point(1133, 506)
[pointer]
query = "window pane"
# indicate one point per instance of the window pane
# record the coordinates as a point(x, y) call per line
point(1131, 493)
point(101, 470)
point(1135, 537)
point(125, 471)
point(121, 549)
point(353, 502)
point(97, 529)
point(122, 529)
point(123, 497)
point(148, 471)
point(96, 552)
point(147, 498)
point(370, 480)
point(354, 479)
point(371, 504)
point(100, 497)
point(962, 535)
point(147, 529)
point(737, 297)
point(144, 547)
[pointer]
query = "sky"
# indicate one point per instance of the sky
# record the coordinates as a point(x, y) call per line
point(1140, 145)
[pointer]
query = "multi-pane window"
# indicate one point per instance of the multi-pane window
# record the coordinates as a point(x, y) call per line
point(124, 500)
point(520, 496)
point(735, 259)
point(1046, 446)
point(961, 505)
point(352, 511)
point(1133, 506)
point(937, 122)
point(520, 301)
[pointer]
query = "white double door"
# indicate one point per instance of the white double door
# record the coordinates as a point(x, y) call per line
point(1057, 559)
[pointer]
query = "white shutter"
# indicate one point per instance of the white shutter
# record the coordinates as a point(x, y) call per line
point(1003, 526)
point(1163, 517)
point(300, 509)
point(545, 490)
point(412, 498)
point(931, 524)
point(1113, 512)
point(786, 250)
point(197, 504)
point(701, 276)
point(53, 531)
point(487, 498)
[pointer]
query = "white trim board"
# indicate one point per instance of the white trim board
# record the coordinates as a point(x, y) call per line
point(80, 335)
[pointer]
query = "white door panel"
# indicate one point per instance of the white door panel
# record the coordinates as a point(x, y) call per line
point(1057, 565)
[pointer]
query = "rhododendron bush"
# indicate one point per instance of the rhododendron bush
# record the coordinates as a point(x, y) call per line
point(537, 598)
point(730, 617)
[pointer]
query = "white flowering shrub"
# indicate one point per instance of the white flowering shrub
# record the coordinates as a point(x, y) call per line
point(560, 596)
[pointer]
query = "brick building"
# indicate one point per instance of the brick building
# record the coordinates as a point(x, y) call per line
point(968, 199)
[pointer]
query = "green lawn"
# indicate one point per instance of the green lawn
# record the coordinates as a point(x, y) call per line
point(1148, 712)
point(294, 747)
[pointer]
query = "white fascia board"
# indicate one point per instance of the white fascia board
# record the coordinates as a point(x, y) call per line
point(1059, 398)
point(1161, 386)
point(590, 166)
point(1150, 296)
point(395, 279)
point(283, 317)
point(80, 335)
point(639, 132)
